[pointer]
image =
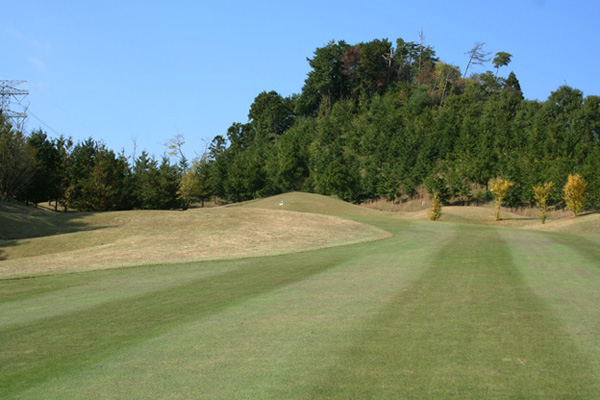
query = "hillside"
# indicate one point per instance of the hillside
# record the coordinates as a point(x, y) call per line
point(45, 242)
point(587, 223)
point(308, 203)
point(18, 221)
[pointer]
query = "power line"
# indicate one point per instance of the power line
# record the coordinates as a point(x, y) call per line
point(9, 95)
point(45, 124)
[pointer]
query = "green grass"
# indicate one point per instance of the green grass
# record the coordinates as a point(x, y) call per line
point(438, 310)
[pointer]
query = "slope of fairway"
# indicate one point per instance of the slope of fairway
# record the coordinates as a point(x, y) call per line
point(589, 224)
point(309, 203)
point(436, 311)
point(17, 221)
point(473, 215)
point(142, 237)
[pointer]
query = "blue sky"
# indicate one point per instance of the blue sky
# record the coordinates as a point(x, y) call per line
point(144, 71)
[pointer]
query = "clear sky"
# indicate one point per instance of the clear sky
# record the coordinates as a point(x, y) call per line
point(144, 71)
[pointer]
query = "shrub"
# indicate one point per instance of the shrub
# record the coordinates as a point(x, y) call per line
point(436, 207)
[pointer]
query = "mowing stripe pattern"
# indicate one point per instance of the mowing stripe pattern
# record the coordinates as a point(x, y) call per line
point(470, 328)
point(436, 311)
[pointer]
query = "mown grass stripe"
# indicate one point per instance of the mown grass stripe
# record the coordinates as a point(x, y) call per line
point(583, 244)
point(320, 308)
point(469, 328)
point(561, 271)
point(32, 353)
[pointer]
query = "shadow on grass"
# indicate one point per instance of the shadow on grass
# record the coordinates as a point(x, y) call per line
point(588, 212)
point(519, 219)
point(20, 222)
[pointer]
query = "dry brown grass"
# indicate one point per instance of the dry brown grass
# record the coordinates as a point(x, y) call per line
point(584, 223)
point(148, 237)
point(308, 202)
point(524, 217)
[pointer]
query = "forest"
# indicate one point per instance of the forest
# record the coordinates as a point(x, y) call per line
point(373, 120)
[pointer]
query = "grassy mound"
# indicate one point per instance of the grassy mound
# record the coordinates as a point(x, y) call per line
point(473, 215)
point(49, 242)
point(477, 215)
point(308, 203)
point(588, 224)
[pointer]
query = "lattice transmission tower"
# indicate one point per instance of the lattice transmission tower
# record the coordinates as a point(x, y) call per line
point(10, 96)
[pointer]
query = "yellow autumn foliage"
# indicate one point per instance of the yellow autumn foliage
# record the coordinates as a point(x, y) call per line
point(499, 188)
point(541, 194)
point(436, 207)
point(574, 193)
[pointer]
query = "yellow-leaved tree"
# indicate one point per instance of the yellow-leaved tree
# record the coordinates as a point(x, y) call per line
point(574, 193)
point(499, 188)
point(188, 187)
point(436, 207)
point(541, 194)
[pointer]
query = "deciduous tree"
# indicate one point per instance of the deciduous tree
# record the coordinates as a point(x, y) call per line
point(499, 188)
point(541, 194)
point(574, 193)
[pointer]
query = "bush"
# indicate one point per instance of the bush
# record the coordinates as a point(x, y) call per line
point(436, 207)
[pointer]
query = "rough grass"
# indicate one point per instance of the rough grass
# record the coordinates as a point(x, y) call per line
point(482, 215)
point(436, 310)
point(584, 223)
point(308, 203)
point(144, 237)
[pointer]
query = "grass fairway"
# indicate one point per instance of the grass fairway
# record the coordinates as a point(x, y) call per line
point(436, 311)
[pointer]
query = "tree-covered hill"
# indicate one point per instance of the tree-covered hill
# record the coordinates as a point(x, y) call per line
point(376, 120)
point(373, 120)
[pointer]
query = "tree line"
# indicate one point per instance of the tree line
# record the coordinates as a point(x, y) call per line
point(85, 176)
point(372, 120)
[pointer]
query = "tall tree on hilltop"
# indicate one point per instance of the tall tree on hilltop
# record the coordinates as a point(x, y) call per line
point(373, 68)
point(501, 59)
point(325, 80)
point(477, 56)
point(511, 84)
